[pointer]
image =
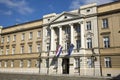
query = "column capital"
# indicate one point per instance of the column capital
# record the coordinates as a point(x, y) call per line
point(71, 24)
point(51, 27)
point(60, 26)
point(81, 22)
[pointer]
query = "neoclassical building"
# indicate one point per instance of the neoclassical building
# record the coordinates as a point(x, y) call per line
point(77, 27)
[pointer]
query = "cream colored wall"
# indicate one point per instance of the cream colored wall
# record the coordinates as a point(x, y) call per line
point(109, 7)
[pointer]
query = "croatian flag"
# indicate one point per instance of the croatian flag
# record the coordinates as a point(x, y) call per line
point(59, 50)
point(70, 49)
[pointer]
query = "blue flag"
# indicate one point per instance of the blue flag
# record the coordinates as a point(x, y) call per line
point(70, 49)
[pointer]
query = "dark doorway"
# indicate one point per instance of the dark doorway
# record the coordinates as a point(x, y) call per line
point(65, 65)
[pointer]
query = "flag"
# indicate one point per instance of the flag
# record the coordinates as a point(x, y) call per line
point(59, 50)
point(70, 49)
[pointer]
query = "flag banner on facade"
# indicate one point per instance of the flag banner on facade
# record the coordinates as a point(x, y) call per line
point(59, 50)
point(70, 49)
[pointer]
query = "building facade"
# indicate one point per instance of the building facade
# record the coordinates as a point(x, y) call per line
point(20, 47)
point(78, 27)
point(109, 38)
point(94, 32)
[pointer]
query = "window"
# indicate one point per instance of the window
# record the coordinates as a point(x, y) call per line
point(77, 62)
point(22, 49)
point(77, 28)
point(88, 25)
point(38, 34)
point(12, 63)
point(5, 64)
point(37, 63)
point(105, 23)
point(90, 62)
point(78, 44)
point(2, 40)
point(14, 37)
point(68, 45)
point(48, 47)
point(7, 50)
point(67, 30)
point(89, 43)
point(21, 63)
point(8, 38)
point(56, 63)
point(29, 63)
point(30, 48)
point(106, 42)
point(13, 50)
point(23, 36)
point(107, 62)
point(38, 48)
point(47, 63)
point(30, 35)
point(1, 52)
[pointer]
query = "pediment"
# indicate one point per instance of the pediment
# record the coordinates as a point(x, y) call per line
point(65, 16)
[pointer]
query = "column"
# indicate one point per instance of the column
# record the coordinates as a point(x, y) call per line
point(60, 35)
point(71, 31)
point(82, 34)
point(52, 38)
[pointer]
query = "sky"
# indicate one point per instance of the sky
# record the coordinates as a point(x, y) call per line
point(20, 11)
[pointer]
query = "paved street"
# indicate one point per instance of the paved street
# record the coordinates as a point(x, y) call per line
point(8, 76)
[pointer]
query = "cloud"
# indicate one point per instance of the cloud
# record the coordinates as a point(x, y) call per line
point(75, 4)
point(20, 6)
point(8, 13)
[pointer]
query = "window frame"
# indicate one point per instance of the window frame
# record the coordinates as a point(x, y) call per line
point(105, 23)
point(106, 41)
point(107, 62)
point(89, 43)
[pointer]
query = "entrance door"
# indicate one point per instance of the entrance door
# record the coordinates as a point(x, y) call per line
point(65, 66)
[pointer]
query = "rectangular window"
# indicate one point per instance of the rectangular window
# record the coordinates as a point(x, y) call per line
point(78, 44)
point(77, 29)
point(2, 40)
point(89, 43)
point(29, 63)
point(77, 62)
point(12, 64)
point(67, 30)
point(47, 63)
point(56, 63)
point(90, 62)
point(14, 37)
point(105, 23)
point(107, 62)
point(30, 48)
point(1, 51)
point(21, 63)
point(7, 50)
point(37, 63)
point(88, 25)
point(8, 38)
point(38, 34)
point(38, 48)
point(22, 49)
point(13, 50)
point(106, 41)
point(5, 64)
point(31, 35)
point(48, 47)
point(23, 37)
